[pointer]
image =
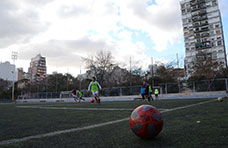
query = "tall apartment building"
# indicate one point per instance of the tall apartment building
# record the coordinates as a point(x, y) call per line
point(37, 69)
point(203, 34)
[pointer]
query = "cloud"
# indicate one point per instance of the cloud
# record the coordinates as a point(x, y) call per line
point(37, 2)
point(63, 52)
point(81, 28)
point(64, 31)
point(66, 11)
point(18, 25)
point(161, 21)
point(223, 5)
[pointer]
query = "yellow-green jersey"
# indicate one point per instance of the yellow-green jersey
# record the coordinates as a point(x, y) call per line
point(156, 91)
point(80, 94)
point(150, 90)
point(94, 86)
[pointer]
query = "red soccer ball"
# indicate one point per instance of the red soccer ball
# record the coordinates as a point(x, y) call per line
point(92, 100)
point(146, 121)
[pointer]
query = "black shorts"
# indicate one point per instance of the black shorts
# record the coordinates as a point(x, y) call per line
point(146, 92)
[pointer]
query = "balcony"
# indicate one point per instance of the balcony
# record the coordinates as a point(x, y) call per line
point(203, 45)
point(196, 31)
point(204, 17)
point(204, 24)
point(195, 19)
point(204, 29)
point(203, 12)
point(205, 34)
point(202, 6)
point(201, 1)
point(193, 9)
point(199, 44)
point(195, 2)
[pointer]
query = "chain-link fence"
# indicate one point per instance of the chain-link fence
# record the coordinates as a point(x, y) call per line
point(115, 91)
point(179, 87)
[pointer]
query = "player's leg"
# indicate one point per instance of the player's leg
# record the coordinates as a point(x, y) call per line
point(75, 99)
point(149, 96)
point(95, 96)
point(78, 100)
point(143, 97)
point(156, 96)
point(98, 97)
point(82, 98)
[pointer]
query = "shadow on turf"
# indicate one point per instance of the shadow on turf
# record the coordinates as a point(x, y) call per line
point(159, 141)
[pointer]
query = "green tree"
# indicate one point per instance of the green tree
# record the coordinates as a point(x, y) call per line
point(5, 90)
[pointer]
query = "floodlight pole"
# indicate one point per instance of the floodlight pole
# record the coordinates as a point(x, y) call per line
point(80, 86)
point(152, 72)
point(14, 57)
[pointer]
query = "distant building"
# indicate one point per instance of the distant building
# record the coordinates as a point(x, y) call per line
point(8, 71)
point(203, 33)
point(37, 69)
point(21, 74)
point(82, 77)
point(178, 72)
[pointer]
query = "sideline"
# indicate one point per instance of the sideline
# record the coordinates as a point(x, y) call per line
point(5, 142)
point(86, 109)
point(70, 108)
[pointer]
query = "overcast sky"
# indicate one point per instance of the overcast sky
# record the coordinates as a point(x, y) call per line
point(63, 31)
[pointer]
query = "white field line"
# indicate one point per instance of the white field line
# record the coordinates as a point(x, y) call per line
point(69, 108)
point(187, 106)
point(5, 142)
point(60, 132)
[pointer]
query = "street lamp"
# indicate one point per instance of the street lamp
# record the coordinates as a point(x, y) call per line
point(14, 57)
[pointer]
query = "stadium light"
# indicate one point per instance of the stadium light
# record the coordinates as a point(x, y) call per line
point(14, 57)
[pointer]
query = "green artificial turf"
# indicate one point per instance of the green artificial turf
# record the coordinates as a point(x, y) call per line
point(181, 127)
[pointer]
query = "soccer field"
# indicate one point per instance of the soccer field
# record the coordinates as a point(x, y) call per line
point(187, 123)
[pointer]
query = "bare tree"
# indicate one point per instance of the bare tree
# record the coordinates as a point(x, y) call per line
point(100, 65)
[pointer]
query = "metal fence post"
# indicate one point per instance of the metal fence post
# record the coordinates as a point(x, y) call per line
point(226, 85)
point(121, 92)
point(166, 88)
point(194, 86)
point(178, 86)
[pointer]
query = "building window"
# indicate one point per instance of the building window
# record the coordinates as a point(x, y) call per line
point(211, 26)
point(192, 48)
point(204, 39)
point(218, 32)
point(219, 38)
point(217, 26)
point(212, 44)
point(219, 43)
